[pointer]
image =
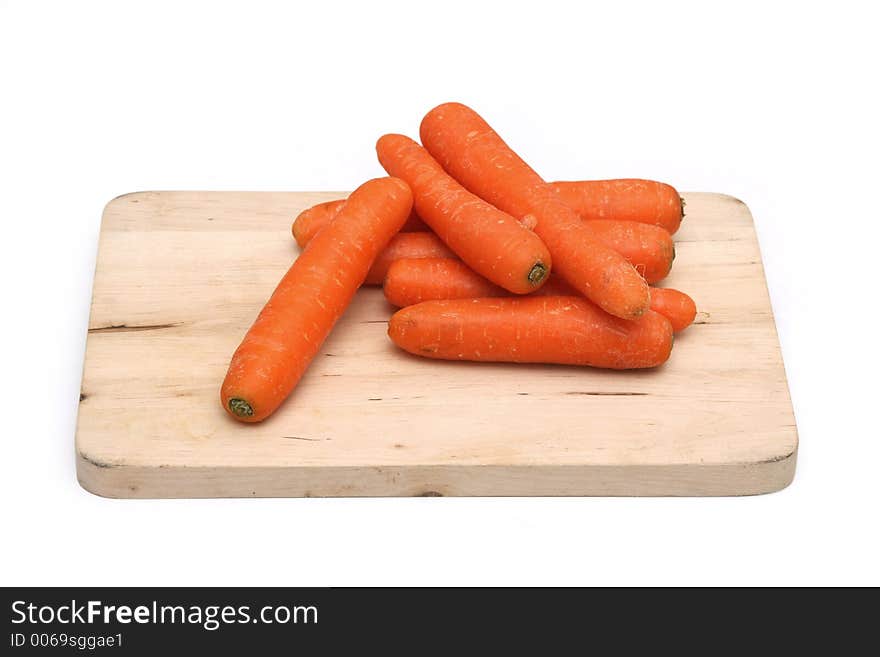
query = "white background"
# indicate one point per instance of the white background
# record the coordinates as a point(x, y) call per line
point(775, 103)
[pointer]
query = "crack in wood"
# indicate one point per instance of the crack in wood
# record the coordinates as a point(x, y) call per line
point(609, 394)
point(96, 462)
point(125, 328)
point(777, 459)
point(311, 440)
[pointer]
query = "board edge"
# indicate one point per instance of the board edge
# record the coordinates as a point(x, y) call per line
point(120, 481)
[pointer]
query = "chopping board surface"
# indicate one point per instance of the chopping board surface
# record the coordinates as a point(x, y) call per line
point(181, 275)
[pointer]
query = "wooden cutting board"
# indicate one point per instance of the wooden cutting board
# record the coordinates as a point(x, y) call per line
point(181, 275)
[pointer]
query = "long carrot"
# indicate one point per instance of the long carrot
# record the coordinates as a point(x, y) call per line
point(627, 199)
point(314, 292)
point(532, 329)
point(311, 220)
point(407, 245)
point(411, 281)
point(678, 307)
point(490, 241)
point(474, 154)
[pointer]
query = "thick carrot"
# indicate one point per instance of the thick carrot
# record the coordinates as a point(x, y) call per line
point(411, 281)
point(314, 292)
point(311, 220)
point(532, 329)
point(629, 199)
point(407, 245)
point(647, 248)
point(678, 307)
point(490, 241)
point(468, 148)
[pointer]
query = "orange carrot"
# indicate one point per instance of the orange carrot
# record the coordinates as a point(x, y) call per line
point(411, 281)
point(532, 329)
point(647, 248)
point(678, 307)
point(313, 294)
point(490, 241)
point(630, 199)
point(311, 220)
point(474, 154)
point(407, 245)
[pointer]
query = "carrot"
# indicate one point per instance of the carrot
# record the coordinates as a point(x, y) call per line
point(411, 281)
point(630, 199)
point(474, 154)
point(406, 245)
point(311, 220)
point(647, 248)
point(314, 292)
point(490, 241)
point(678, 307)
point(533, 329)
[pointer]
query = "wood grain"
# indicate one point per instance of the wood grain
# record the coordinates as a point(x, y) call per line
point(181, 275)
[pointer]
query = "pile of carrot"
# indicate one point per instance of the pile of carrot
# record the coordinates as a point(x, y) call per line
point(485, 259)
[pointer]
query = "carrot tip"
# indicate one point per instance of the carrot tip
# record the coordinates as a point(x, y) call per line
point(240, 408)
point(537, 274)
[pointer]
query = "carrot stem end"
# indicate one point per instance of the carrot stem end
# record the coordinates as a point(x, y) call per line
point(537, 274)
point(240, 408)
